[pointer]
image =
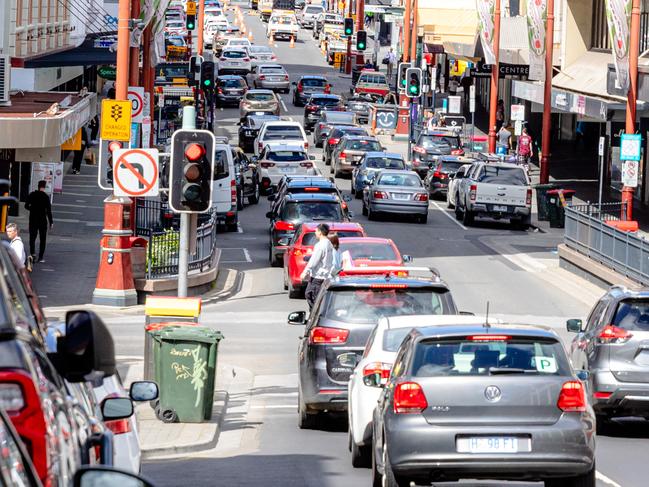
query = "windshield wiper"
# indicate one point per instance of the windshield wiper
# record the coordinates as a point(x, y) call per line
point(507, 370)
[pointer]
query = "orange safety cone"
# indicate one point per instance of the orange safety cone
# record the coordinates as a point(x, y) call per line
point(292, 44)
point(250, 36)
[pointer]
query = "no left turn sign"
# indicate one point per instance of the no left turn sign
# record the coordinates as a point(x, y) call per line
point(135, 172)
point(136, 96)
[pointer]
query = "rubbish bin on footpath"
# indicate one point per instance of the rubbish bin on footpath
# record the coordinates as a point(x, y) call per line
point(149, 344)
point(185, 368)
point(542, 203)
point(558, 199)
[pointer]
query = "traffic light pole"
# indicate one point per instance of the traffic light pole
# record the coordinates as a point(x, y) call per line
point(189, 123)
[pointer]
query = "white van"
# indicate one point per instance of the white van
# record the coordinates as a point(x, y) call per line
point(224, 188)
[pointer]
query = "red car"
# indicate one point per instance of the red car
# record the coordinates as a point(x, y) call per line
point(301, 247)
point(371, 252)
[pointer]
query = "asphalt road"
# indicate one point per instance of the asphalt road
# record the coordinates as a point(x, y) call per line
point(515, 272)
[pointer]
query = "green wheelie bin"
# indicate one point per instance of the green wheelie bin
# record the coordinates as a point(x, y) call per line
point(185, 363)
point(542, 200)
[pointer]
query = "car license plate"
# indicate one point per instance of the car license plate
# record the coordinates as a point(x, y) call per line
point(488, 444)
point(287, 169)
point(234, 63)
point(502, 208)
point(275, 78)
point(401, 196)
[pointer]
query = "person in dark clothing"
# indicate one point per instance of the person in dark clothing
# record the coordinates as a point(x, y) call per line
point(40, 219)
point(77, 159)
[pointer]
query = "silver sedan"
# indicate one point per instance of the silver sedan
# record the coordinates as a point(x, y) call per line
point(398, 192)
point(271, 77)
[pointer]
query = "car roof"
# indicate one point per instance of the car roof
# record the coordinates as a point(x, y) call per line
point(230, 76)
point(519, 330)
point(297, 197)
point(622, 292)
point(282, 122)
point(344, 127)
point(271, 65)
point(397, 171)
point(418, 321)
point(390, 155)
point(367, 280)
point(260, 90)
point(377, 240)
point(441, 133)
point(359, 137)
point(335, 226)
point(280, 146)
point(326, 96)
point(313, 181)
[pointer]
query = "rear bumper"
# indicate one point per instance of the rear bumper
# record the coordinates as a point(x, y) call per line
point(483, 209)
point(563, 449)
point(401, 208)
point(274, 85)
point(626, 397)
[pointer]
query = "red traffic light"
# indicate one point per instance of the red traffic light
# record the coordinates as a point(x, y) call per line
point(114, 145)
point(194, 152)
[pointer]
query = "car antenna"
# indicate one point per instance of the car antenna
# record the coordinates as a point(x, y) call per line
point(486, 318)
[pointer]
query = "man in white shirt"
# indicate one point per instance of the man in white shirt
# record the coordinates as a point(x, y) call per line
point(17, 245)
point(320, 264)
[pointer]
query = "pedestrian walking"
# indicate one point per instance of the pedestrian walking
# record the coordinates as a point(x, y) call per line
point(392, 59)
point(17, 245)
point(40, 219)
point(337, 260)
point(500, 114)
point(319, 266)
point(79, 155)
point(524, 146)
point(504, 141)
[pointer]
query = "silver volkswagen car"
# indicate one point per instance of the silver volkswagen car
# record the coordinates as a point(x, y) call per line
point(483, 402)
point(398, 192)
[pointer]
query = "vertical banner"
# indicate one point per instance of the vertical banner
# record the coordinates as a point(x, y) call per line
point(618, 15)
point(486, 26)
point(158, 53)
point(536, 23)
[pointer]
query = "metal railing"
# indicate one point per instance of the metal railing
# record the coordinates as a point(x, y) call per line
point(588, 233)
point(153, 215)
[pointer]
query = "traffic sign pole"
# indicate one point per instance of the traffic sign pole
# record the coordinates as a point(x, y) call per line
point(189, 123)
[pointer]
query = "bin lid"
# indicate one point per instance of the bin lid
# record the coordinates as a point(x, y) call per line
point(189, 333)
point(545, 186)
point(158, 326)
point(172, 306)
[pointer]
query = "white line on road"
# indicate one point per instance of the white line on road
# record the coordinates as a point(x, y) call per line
point(76, 206)
point(75, 194)
point(239, 229)
point(281, 100)
point(275, 406)
point(247, 254)
point(606, 480)
point(451, 217)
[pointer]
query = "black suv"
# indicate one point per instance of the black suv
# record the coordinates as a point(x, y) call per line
point(430, 146)
point(318, 102)
point(230, 90)
point(249, 129)
point(343, 316)
point(439, 174)
point(303, 184)
point(307, 86)
point(298, 208)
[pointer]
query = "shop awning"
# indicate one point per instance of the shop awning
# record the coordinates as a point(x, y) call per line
point(91, 52)
point(455, 29)
point(587, 75)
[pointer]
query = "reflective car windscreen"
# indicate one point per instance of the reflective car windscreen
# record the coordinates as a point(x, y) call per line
point(435, 141)
point(314, 83)
point(287, 156)
point(364, 145)
point(410, 180)
point(283, 132)
point(324, 102)
point(311, 210)
point(260, 96)
point(502, 175)
point(234, 54)
point(384, 163)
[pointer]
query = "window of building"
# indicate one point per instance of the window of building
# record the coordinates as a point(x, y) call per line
point(600, 39)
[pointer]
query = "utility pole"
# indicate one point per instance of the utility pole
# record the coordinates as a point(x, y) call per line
point(199, 24)
point(148, 74)
point(134, 52)
point(493, 102)
point(546, 133)
point(123, 35)
point(189, 123)
point(413, 34)
point(632, 96)
point(406, 32)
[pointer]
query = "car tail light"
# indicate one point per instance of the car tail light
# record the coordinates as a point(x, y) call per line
point(321, 335)
point(284, 226)
point(437, 174)
point(380, 195)
point(416, 162)
point(378, 368)
point(222, 58)
point(300, 88)
point(266, 165)
point(246, 59)
point(286, 77)
point(409, 398)
point(119, 426)
point(298, 252)
point(333, 141)
point(528, 198)
point(614, 334)
point(273, 57)
point(306, 164)
point(572, 398)
point(310, 189)
point(262, 76)
point(220, 91)
point(488, 338)
point(457, 152)
point(260, 146)
point(421, 197)
point(473, 191)
point(327, 89)
point(343, 155)
point(321, 126)
point(602, 395)
point(306, 145)
point(233, 192)
point(419, 149)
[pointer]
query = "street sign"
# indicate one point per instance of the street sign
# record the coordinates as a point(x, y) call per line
point(73, 143)
point(454, 122)
point(136, 172)
point(191, 8)
point(630, 174)
point(630, 147)
point(600, 148)
point(115, 119)
point(518, 112)
point(136, 95)
point(518, 128)
point(455, 104)
point(472, 98)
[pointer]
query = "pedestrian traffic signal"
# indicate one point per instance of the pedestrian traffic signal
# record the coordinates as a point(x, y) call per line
point(106, 150)
point(361, 40)
point(190, 22)
point(191, 172)
point(349, 26)
point(413, 82)
point(207, 76)
point(401, 78)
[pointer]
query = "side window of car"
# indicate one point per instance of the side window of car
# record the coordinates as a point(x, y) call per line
point(595, 317)
point(14, 469)
point(400, 363)
point(370, 340)
point(20, 303)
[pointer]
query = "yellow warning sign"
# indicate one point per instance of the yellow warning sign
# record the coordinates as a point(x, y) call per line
point(116, 120)
point(191, 8)
point(73, 143)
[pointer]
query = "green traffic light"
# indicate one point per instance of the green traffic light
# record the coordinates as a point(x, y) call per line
point(361, 45)
point(413, 89)
point(207, 82)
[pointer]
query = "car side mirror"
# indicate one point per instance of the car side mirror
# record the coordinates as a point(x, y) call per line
point(574, 325)
point(374, 380)
point(347, 198)
point(86, 352)
point(271, 197)
point(269, 215)
point(294, 83)
point(583, 375)
point(104, 475)
point(407, 259)
point(297, 318)
point(143, 390)
point(113, 408)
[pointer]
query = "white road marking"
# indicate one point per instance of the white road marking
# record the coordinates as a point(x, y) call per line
point(451, 217)
point(281, 100)
point(239, 229)
point(67, 212)
point(77, 206)
point(247, 255)
point(606, 480)
point(75, 194)
point(275, 406)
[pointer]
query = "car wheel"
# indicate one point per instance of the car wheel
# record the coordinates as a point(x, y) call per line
point(364, 210)
point(423, 218)
point(232, 226)
point(275, 261)
point(371, 215)
point(360, 454)
point(253, 199)
point(304, 419)
point(294, 293)
point(585, 480)
point(467, 217)
point(377, 478)
point(449, 205)
point(389, 478)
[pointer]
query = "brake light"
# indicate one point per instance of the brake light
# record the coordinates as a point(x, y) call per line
point(262, 76)
point(306, 164)
point(266, 165)
point(343, 155)
point(246, 59)
point(300, 88)
point(416, 162)
point(311, 108)
point(473, 191)
point(488, 338)
point(322, 335)
point(572, 398)
point(419, 149)
point(421, 197)
point(273, 57)
point(220, 91)
point(614, 334)
point(284, 226)
point(438, 174)
point(222, 58)
point(233, 192)
point(602, 395)
point(377, 368)
point(380, 195)
point(457, 152)
point(409, 398)
point(327, 89)
point(528, 198)
point(306, 145)
point(311, 189)
point(333, 141)
point(286, 77)
point(321, 126)
point(119, 426)
point(260, 146)
point(388, 286)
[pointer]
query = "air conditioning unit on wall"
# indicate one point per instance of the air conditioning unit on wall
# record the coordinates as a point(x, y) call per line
point(5, 72)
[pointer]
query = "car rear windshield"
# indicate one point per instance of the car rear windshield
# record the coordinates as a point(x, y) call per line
point(325, 102)
point(314, 83)
point(363, 145)
point(261, 49)
point(283, 133)
point(410, 180)
point(502, 175)
point(234, 54)
point(384, 163)
point(373, 78)
point(287, 156)
point(369, 251)
point(260, 96)
point(242, 42)
point(340, 131)
point(340, 117)
point(369, 305)
point(632, 315)
point(176, 41)
point(312, 210)
point(232, 83)
point(310, 239)
point(435, 141)
point(484, 355)
point(274, 69)
point(450, 166)
point(313, 9)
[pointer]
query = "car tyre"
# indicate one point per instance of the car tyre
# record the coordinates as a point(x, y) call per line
point(364, 210)
point(585, 480)
point(467, 218)
point(389, 478)
point(232, 226)
point(371, 215)
point(377, 478)
point(294, 293)
point(253, 199)
point(361, 455)
point(273, 259)
point(423, 218)
point(449, 205)
point(304, 419)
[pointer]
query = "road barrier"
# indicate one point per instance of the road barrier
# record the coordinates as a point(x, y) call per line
point(591, 231)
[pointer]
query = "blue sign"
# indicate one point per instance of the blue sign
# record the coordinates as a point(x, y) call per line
point(631, 147)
